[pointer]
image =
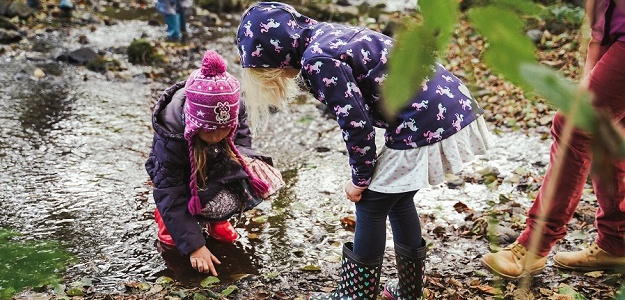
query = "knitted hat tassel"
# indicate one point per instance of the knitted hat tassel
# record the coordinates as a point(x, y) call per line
point(260, 187)
point(194, 206)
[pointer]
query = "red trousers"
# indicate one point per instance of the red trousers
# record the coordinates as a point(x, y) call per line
point(607, 83)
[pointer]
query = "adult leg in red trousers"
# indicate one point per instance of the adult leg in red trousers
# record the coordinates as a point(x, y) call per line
point(606, 82)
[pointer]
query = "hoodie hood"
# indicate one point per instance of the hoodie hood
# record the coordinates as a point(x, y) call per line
point(167, 117)
point(273, 35)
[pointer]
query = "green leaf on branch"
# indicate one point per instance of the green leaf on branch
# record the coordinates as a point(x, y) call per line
point(562, 93)
point(508, 47)
point(524, 7)
point(413, 55)
point(439, 18)
point(408, 66)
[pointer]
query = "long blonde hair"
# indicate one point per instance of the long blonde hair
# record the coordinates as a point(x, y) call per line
point(200, 157)
point(264, 88)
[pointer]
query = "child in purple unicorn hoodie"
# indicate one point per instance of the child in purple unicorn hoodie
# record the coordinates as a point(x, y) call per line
point(344, 67)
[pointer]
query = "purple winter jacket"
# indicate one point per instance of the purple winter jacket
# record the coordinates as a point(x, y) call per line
point(169, 168)
point(344, 67)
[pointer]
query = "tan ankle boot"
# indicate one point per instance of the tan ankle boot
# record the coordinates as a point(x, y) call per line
point(591, 258)
point(513, 262)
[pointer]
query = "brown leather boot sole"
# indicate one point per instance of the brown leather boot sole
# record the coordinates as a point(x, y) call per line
point(559, 265)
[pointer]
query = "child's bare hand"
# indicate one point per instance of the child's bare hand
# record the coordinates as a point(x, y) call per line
point(352, 192)
point(204, 261)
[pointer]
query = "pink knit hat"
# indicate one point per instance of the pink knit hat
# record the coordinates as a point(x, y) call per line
point(212, 103)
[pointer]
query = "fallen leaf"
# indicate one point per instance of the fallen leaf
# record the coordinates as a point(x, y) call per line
point(313, 268)
point(349, 221)
point(229, 290)
point(461, 207)
point(488, 289)
point(594, 274)
point(209, 281)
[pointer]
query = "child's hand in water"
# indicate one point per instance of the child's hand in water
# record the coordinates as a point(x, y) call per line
point(352, 192)
point(204, 261)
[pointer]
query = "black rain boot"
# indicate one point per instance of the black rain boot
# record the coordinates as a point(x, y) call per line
point(410, 273)
point(360, 278)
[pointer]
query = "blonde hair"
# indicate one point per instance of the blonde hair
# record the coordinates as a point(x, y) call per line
point(200, 157)
point(264, 88)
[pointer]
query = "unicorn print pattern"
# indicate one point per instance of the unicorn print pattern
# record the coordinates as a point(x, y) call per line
point(383, 55)
point(410, 124)
point(330, 81)
point(457, 122)
point(420, 105)
point(270, 24)
point(441, 110)
point(437, 135)
point(361, 151)
point(259, 50)
point(344, 111)
point(444, 91)
point(314, 68)
point(316, 49)
point(466, 104)
point(345, 68)
point(248, 31)
point(365, 56)
point(352, 87)
point(276, 45)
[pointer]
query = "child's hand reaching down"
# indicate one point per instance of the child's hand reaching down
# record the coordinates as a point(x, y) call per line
point(204, 261)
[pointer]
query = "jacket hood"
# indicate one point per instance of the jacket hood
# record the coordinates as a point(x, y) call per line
point(160, 125)
point(273, 35)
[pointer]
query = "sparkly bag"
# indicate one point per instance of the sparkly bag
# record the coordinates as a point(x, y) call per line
point(266, 173)
point(233, 198)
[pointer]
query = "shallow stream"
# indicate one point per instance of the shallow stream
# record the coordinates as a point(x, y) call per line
point(73, 144)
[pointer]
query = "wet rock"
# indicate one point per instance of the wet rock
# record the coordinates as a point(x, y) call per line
point(4, 5)
point(81, 56)
point(454, 181)
point(535, 35)
point(9, 36)
point(502, 235)
point(51, 68)
point(39, 73)
point(221, 6)
point(7, 24)
point(322, 149)
point(154, 22)
point(15, 8)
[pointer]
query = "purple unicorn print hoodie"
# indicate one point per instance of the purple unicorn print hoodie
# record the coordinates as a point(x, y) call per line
point(344, 67)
